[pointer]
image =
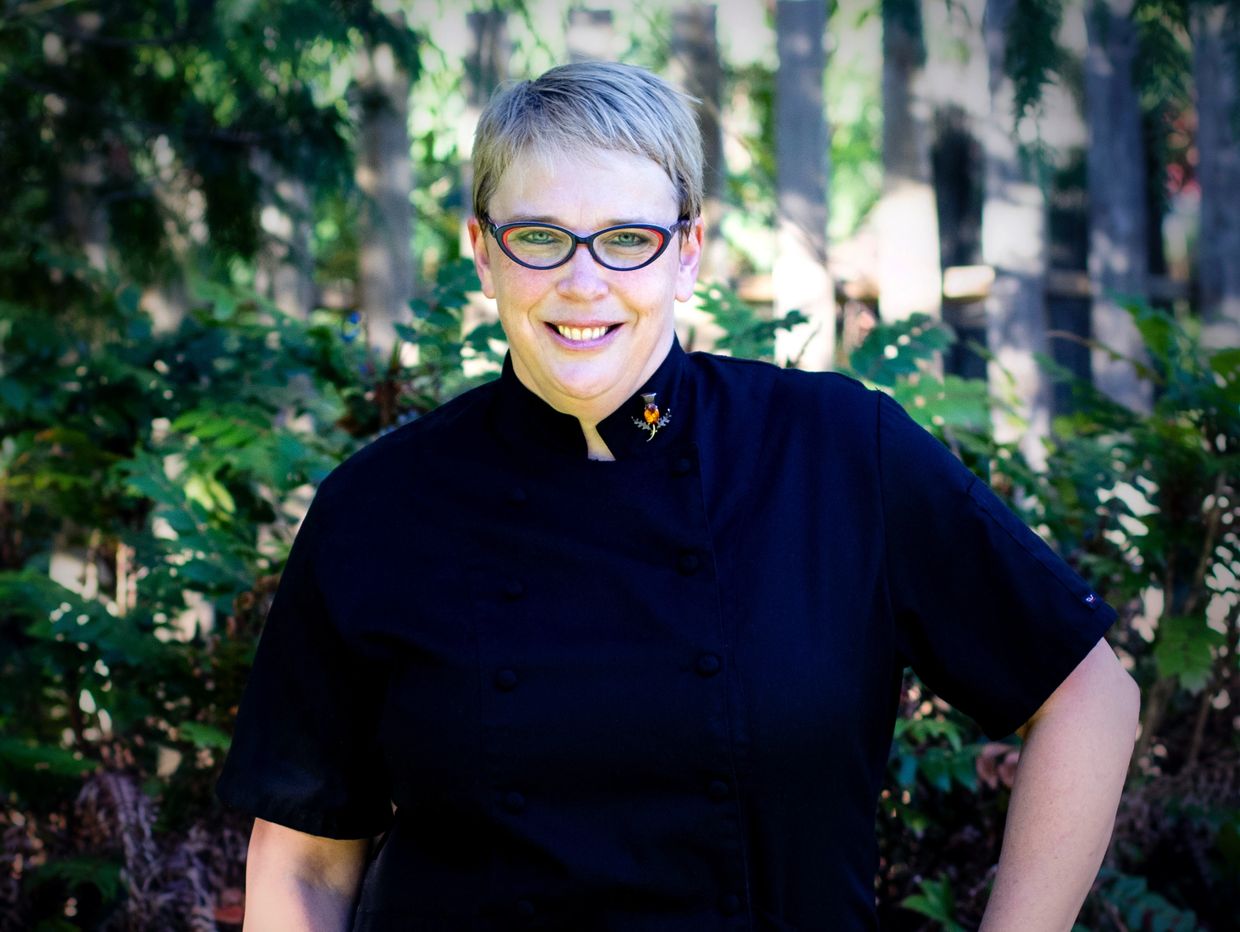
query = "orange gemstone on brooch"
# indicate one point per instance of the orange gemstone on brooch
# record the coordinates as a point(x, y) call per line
point(652, 418)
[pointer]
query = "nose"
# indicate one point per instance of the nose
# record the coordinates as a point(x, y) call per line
point(581, 277)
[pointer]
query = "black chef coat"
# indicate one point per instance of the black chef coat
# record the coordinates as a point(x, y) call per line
point(646, 695)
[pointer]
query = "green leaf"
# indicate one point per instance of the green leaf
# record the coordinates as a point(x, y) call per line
point(56, 925)
point(935, 767)
point(1184, 648)
point(1226, 363)
point(964, 769)
point(27, 755)
point(204, 736)
point(1157, 328)
point(906, 773)
point(935, 900)
point(102, 874)
point(895, 350)
point(14, 394)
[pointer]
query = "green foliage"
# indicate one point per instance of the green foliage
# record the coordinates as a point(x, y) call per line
point(115, 116)
point(933, 750)
point(746, 334)
point(156, 481)
point(438, 331)
point(900, 357)
point(1141, 908)
point(1032, 56)
point(935, 900)
point(895, 350)
point(104, 875)
point(1162, 71)
point(1185, 649)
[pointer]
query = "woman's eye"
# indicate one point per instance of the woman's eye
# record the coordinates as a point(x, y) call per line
point(536, 237)
point(629, 239)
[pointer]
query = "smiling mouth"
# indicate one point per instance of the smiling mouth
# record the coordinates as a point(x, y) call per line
point(582, 335)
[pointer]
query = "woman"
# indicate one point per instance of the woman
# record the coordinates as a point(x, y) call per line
point(615, 642)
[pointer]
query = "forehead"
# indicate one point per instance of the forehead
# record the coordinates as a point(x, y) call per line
point(584, 189)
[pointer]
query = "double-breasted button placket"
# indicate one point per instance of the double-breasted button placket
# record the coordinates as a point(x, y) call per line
point(597, 611)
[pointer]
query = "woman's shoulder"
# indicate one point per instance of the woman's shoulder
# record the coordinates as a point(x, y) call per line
point(412, 452)
point(795, 391)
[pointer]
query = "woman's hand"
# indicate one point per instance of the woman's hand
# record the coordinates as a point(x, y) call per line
point(296, 882)
point(1067, 788)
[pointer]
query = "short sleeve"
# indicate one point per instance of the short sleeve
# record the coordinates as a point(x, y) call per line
point(985, 612)
point(304, 753)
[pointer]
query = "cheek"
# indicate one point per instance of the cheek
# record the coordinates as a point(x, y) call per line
point(515, 296)
point(522, 288)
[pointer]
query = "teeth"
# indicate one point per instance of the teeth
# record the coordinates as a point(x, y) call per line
point(581, 334)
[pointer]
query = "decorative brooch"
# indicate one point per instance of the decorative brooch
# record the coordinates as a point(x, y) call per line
point(651, 419)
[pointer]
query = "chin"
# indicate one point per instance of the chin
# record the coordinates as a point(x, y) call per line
point(586, 388)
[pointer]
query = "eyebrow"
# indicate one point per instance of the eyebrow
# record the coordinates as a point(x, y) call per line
point(555, 221)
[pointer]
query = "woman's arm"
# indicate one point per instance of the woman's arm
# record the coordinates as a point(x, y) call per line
point(299, 882)
point(1068, 784)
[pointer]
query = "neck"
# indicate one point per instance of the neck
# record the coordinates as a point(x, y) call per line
point(596, 447)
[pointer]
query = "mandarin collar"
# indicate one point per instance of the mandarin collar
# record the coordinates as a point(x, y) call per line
point(527, 422)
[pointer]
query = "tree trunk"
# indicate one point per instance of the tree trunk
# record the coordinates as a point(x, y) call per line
point(909, 271)
point(590, 35)
point(84, 211)
point(1216, 70)
point(696, 68)
point(955, 86)
point(385, 177)
point(285, 267)
point(183, 206)
point(1063, 127)
point(486, 68)
point(1119, 218)
point(802, 156)
point(1014, 244)
point(486, 64)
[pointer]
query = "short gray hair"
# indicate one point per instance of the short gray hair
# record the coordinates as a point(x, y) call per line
point(591, 105)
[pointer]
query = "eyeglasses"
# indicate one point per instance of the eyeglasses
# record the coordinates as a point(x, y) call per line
point(623, 248)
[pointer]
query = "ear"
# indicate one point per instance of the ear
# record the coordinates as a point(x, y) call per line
point(482, 258)
point(690, 258)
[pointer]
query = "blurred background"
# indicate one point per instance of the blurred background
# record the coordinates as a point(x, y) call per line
point(232, 252)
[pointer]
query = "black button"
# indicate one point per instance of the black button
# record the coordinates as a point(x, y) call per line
point(688, 563)
point(524, 909)
point(514, 589)
point(730, 905)
point(682, 465)
point(514, 802)
point(506, 679)
point(718, 790)
point(709, 664)
point(517, 497)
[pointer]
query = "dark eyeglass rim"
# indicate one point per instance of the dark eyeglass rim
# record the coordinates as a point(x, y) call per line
point(497, 232)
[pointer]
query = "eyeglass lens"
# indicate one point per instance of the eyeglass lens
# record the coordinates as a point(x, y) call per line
point(623, 248)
